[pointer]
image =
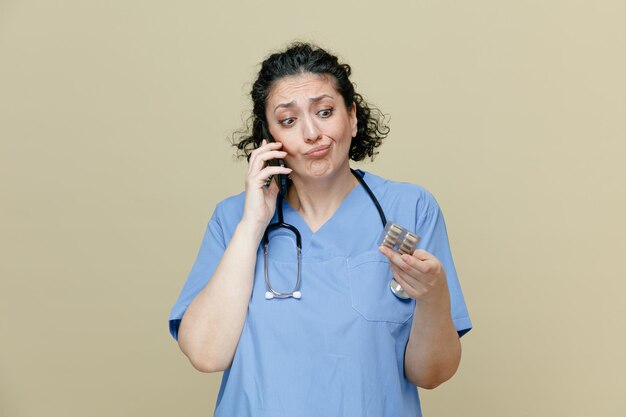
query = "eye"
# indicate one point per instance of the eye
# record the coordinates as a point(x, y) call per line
point(325, 113)
point(287, 122)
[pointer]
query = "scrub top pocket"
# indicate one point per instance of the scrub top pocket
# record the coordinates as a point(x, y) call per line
point(369, 274)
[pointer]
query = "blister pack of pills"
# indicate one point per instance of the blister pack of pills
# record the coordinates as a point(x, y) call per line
point(398, 238)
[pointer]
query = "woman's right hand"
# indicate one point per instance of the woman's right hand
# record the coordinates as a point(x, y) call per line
point(260, 200)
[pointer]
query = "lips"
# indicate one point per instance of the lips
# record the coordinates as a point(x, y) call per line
point(318, 151)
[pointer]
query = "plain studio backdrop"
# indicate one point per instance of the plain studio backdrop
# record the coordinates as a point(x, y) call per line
point(114, 126)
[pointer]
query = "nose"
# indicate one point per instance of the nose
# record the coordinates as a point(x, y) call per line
point(312, 133)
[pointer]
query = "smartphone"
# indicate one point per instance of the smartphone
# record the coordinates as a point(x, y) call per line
point(281, 179)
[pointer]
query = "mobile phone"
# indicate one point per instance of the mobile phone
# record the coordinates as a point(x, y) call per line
point(281, 179)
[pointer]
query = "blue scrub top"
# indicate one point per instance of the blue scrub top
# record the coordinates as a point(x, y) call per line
point(339, 350)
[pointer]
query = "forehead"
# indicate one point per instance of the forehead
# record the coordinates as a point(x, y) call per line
point(301, 85)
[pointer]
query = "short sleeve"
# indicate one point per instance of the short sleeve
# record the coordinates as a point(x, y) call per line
point(431, 228)
point(211, 251)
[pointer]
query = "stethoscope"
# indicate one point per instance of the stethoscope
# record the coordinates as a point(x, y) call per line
point(295, 292)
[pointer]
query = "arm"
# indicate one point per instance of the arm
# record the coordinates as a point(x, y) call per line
point(211, 327)
point(433, 352)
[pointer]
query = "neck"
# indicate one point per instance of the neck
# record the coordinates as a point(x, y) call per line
point(317, 199)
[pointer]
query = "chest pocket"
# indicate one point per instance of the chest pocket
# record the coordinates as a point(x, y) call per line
point(369, 274)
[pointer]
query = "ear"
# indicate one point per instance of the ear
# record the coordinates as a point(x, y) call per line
point(353, 119)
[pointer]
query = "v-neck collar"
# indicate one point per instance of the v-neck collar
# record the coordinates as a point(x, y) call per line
point(341, 222)
point(303, 225)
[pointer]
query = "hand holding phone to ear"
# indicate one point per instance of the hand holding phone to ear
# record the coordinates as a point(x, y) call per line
point(281, 179)
point(260, 202)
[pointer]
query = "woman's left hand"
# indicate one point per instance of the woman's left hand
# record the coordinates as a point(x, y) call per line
point(421, 275)
point(433, 351)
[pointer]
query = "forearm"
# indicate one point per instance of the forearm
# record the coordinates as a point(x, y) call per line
point(212, 325)
point(433, 352)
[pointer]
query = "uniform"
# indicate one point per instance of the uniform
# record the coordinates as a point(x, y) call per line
point(339, 350)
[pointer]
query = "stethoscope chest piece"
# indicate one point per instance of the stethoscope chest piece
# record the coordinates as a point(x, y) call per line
point(397, 290)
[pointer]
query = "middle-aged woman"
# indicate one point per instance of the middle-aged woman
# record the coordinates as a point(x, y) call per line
point(322, 335)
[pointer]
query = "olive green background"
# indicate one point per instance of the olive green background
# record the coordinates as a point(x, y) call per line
point(114, 125)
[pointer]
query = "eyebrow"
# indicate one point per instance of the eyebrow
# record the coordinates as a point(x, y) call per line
point(311, 100)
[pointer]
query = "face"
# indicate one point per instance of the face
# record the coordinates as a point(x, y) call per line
point(309, 117)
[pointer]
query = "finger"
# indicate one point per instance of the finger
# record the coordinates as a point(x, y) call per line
point(414, 277)
point(389, 253)
point(273, 170)
point(271, 154)
point(262, 159)
point(412, 287)
point(415, 263)
point(265, 158)
point(395, 258)
point(430, 266)
point(265, 146)
point(422, 254)
point(270, 170)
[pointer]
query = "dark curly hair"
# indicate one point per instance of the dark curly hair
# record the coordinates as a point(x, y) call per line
point(302, 58)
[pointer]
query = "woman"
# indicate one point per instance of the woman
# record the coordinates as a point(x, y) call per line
point(340, 342)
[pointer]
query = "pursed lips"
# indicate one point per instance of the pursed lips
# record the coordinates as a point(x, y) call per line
point(318, 151)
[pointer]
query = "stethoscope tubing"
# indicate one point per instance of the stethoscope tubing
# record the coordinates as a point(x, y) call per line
point(295, 293)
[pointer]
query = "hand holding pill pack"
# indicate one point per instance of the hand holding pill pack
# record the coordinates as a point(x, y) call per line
point(402, 241)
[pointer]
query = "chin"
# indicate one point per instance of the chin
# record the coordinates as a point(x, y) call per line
point(319, 168)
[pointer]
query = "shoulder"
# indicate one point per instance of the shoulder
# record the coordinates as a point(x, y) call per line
point(401, 193)
point(231, 204)
point(229, 211)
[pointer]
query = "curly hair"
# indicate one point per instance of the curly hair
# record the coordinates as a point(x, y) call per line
point(303, 58)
